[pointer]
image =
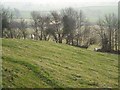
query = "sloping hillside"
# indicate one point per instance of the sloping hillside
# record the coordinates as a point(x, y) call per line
point(43, 64)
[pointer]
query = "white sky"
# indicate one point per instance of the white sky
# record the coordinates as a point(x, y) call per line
point(59, 1)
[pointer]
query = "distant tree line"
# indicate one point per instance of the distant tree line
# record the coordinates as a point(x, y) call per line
point(68, 25)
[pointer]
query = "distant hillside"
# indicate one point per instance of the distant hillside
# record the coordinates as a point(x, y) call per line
point(44, 64)
point(92, 10)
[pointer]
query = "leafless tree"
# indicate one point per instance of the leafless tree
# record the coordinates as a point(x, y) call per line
point(35, 15)
point(69, 22)
point(22, 27)
point(80, 23)
point(58, 25)
point(108, 32)
point(86, 33)
point(7, 18)
point(111, 24)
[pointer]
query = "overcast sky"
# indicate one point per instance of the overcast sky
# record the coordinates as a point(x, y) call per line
point(59, 1)
point(55, 4)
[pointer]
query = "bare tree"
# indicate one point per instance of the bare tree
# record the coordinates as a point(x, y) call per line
point(46, 26)
point(86, 33)
point(111, 23)
point(43, 22)
point(80, 23)
point(69, 26)
point(58, 24)
point(108, 32)
point(5, 19)
point(35, 15)
point(22, 27)
point(102, 33)
point(69, 23)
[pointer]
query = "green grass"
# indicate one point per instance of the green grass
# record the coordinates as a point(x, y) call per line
point(43, 64)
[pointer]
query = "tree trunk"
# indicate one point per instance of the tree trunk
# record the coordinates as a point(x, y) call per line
point(60, 38)
point(41, 35)
point(56, 39)
point(116, 40)
point(24, 35)
point(36, 34)
point(11, 34)
point(1, 31)
point(45, 37)
point(72, 42)
point(110, 42)
point(66, 41)
point(77, 41)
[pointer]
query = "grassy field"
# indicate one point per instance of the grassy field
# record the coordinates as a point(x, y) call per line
point(43, 64)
